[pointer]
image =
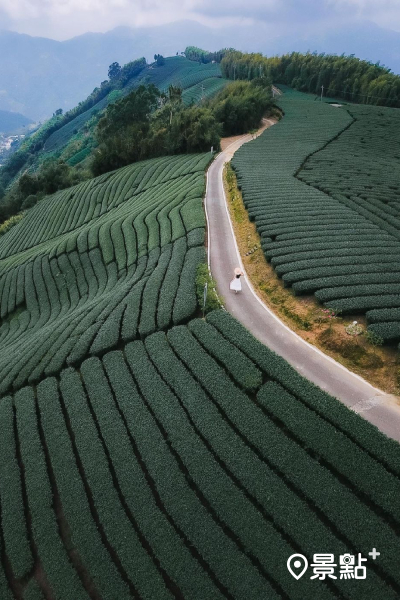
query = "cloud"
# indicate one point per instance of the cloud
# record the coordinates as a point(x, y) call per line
point(64, 18)
point(61, 19)
point(385, 13)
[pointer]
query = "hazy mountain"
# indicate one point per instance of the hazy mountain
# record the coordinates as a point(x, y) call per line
point(39, 75)
point(11, 121)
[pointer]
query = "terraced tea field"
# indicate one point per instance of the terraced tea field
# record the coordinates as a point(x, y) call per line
point(203, 90)
point(75, 269)
point(147, 453)
point(338, 236)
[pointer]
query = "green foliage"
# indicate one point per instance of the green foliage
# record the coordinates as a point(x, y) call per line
point(54, 175)
point(203, 91)
point(133, 130)
point(52, 553)
point(342, 76)
point(204, 277)
point(33, 591)
point(80, 156)
point(114, 71)
point(383, 314)
point(159, 59)
point(61, 127)
point(243, 371)
point(132, 70)
point(137, 106)
point(109, 259)
point(14, 526)
point(85, 535)
point(197, 129)
point(378, 333)
point(204, 56)
point(148, 450)
point(237, 65)
point(240, 106)
point(186, 299)
point(70, 137)
point(123, 128)
point(11, 222)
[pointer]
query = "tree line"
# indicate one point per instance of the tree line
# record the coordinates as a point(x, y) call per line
point(345, 77)
point(148, 123)
point(204, 56)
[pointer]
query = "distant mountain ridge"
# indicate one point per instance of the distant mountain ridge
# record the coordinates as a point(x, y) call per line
point(40, 75)
point(11, 121)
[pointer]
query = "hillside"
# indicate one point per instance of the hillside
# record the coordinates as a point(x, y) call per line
point(71, 136)
point(151, 447)
point(337, 237)
point(134, 226)
point(176, 71)
point(147, 453)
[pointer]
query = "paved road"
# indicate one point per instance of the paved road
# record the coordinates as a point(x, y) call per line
point(374, 405)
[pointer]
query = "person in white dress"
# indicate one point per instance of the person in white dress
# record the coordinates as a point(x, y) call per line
point(236, 284)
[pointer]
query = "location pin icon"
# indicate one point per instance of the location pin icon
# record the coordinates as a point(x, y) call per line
point(297, 565)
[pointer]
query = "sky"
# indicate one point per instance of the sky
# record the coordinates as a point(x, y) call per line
point(63, 19)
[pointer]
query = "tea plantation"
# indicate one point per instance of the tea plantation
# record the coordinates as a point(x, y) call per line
point(177, 70)
point(323, 187)
point(148, 453)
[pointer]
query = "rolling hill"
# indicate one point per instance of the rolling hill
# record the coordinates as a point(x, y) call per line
point(151, 447)
point(149, 453)
point(71, 136)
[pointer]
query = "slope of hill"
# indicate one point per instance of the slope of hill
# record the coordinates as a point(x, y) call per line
point(338, 236)
point(124, 228)
point(176, 71)
point(10, 121)
point(147, 453)
point(71, 136)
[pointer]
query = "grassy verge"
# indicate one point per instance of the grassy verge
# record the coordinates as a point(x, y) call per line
point(212, 300)
point(377, 364)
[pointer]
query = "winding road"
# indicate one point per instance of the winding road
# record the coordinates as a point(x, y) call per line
point(381, 409)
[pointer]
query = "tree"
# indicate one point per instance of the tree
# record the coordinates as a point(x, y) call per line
point(123, 131)
point(198, 129)
point(28, 185)
point(174, 99)
point(134, 108)
point(58, 112)
point(114, 71)
point(160, 60)
point(241, 105)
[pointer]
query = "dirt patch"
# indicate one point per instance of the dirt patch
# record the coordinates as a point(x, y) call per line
point(303, 314)
point(266, 122)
